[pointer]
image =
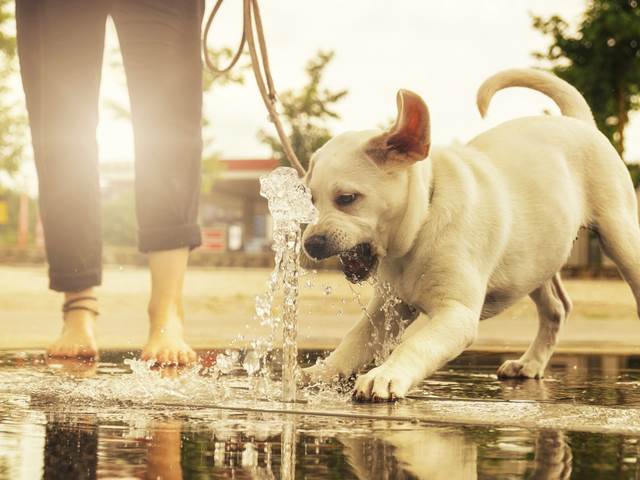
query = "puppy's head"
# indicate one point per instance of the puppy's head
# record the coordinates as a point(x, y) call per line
point(359, 183)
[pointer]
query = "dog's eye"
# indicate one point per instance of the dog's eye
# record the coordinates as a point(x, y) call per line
point(345, 199)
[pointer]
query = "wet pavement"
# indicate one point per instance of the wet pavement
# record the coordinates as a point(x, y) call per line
point(118, 419)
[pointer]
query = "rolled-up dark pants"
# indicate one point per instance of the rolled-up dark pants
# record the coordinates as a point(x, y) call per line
point(60, 46)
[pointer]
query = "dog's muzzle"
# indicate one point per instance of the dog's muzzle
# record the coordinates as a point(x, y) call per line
point(359, 262)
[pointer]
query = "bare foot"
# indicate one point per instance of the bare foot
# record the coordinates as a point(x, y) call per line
point(166, 343)
point(77, 339)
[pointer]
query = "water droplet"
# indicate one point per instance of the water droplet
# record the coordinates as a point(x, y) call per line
point(328, 290)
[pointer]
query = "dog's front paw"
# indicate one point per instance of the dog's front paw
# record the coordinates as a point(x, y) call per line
point(381, 384)
point(521, 369)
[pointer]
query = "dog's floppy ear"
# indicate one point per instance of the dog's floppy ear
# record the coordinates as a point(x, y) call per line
point(409, 139)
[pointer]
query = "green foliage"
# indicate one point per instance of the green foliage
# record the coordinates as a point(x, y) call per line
point(12, 131)
point(601, 59)
point(7, 38)
point(305, 112)
point(13, 119)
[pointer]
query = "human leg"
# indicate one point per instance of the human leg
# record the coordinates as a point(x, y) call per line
point(160, 42)
point(60, 44)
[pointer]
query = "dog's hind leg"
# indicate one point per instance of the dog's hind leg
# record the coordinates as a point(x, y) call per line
point(620, 240)
point(553, 306)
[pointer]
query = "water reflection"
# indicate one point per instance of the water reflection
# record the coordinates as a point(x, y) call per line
point(427, 453)
point(609, 380)
point(553, 457)
point(164, 450)
point(87, 447)
point(171, 450)
point(288, 450)
point(70, 448)
point(60, 438)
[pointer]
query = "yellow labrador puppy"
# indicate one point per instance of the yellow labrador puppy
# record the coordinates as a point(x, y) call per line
point(461, 233)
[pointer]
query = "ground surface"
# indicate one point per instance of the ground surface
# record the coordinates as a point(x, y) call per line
point(117, 419)
point(220, 304)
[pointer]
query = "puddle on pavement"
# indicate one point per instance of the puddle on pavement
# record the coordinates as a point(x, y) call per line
point(119, 420)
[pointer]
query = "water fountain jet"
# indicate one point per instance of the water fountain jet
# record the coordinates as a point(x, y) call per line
point(290, 205)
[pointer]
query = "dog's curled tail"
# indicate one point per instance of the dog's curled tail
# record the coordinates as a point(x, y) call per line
point(565, 95)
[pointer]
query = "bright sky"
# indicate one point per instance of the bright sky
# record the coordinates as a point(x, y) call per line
point(442, 50)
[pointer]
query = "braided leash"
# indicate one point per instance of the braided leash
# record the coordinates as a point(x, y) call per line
point(260, 66)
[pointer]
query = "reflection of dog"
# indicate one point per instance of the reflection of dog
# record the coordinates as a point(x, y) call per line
point(467, 232)
point(553, 457)
point(432, 453)
point(437, 453)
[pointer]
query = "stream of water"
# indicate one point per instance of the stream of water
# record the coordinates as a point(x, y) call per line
point(290, 205)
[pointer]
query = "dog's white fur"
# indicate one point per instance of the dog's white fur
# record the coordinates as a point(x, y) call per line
point(471, 229)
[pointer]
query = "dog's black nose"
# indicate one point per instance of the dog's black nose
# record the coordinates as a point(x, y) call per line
point(316, 247)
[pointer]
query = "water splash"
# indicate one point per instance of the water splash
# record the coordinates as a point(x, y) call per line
point(387, 335)
point(393, 325)
point(228, 361)
point(290, 205)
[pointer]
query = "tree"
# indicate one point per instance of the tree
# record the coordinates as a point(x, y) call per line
point(13, 119)
point(306, 111)
point(13, 124)
point(601, 59)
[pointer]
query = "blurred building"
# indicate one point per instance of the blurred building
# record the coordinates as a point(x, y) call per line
point(233, 216)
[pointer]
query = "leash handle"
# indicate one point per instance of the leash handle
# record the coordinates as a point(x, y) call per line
point(260, 65)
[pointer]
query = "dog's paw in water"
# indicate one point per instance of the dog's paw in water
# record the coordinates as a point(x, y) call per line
point(320, 373)
point(381, 384)
point(521, 369)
